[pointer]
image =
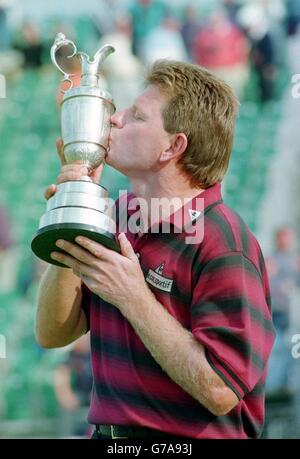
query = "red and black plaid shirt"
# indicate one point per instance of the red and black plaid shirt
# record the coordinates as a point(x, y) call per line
point(218, 289)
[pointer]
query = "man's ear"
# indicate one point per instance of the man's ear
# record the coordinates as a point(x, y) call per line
point(178, 145)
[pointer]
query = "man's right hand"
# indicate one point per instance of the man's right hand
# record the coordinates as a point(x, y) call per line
point(71, 172)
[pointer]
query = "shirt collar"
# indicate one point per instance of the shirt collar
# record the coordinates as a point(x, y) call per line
point(196, 207)
point(189, 213)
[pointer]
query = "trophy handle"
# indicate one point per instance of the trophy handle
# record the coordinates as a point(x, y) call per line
point(60, 41)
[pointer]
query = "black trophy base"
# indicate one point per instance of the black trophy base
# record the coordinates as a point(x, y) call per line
point(44, 241)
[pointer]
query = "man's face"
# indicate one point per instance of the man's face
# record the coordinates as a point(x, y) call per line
point(138, 137)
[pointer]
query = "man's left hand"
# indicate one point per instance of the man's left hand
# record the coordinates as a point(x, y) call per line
point(117, 278)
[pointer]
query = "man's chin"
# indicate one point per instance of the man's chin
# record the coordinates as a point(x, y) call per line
point(118, 167)
point(107, 159)
point(110, 162)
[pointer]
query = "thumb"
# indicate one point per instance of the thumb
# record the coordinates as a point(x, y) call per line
point(126, 248)
point(50, 191)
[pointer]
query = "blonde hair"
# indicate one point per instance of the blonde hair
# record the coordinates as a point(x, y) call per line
point(204, 108)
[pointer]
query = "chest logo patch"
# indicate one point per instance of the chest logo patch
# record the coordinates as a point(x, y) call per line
point(194, 214)
point(157, 279)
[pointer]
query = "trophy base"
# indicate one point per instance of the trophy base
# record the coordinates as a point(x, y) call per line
point(45, 238)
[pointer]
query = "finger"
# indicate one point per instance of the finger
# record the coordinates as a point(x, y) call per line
point(126, 248)
point(78, 274)
point(66, 260)
point(70, 175)
point(78, 168)
point(60, 151)
point(76, 252)
point(84, 272)
point(50, 191)
point(97, 250)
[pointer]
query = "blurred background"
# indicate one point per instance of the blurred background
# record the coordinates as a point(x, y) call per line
point(255, 46)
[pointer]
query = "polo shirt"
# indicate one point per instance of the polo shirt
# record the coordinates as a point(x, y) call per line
point(217, 288)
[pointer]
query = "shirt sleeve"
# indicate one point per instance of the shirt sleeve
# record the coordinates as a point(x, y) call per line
point(86, 303)
point(231, 318)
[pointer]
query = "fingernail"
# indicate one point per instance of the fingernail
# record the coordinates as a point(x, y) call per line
point(60, 243)
point(80, 240)
point(55, 255)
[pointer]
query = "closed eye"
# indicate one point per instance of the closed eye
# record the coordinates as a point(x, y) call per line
point(137, 115)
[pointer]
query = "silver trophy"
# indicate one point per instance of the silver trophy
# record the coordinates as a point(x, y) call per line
point(80, 207)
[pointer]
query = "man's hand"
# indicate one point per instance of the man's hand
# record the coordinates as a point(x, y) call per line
point(118, 279)
point(71, 172)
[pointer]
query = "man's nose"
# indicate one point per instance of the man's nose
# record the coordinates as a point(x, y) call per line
point(116, 120)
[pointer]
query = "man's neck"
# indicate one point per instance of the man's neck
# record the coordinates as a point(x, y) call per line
point(169, 192)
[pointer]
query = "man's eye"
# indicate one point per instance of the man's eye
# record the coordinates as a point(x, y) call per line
point(137, 116)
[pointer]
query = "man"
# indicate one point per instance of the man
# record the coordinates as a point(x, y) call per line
point(180, 331)
point(283, 270)
point(284, 274)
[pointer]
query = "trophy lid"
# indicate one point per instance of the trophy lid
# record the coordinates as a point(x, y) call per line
point(90, 69)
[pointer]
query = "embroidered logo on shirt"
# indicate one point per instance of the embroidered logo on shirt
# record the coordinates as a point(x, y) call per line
point(194, 214)
point(157, 279)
